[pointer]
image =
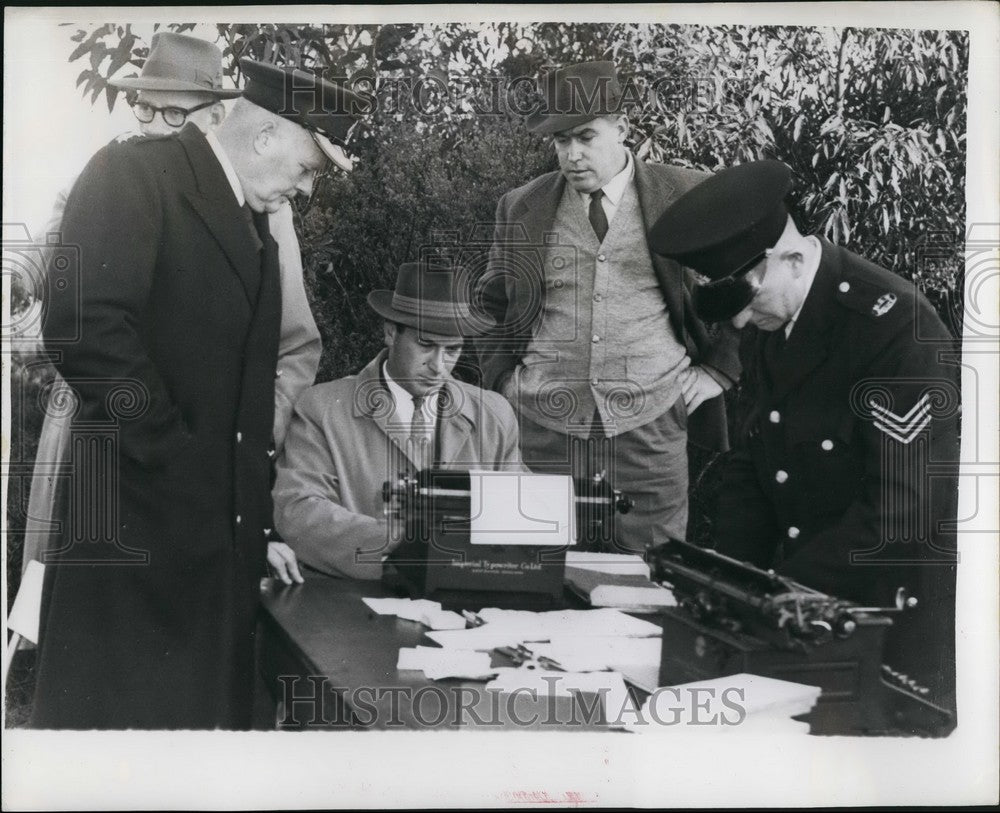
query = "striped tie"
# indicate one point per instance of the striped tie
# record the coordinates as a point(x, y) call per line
point(421, 435)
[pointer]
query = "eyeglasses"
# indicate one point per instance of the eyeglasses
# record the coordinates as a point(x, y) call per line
point(173, 116)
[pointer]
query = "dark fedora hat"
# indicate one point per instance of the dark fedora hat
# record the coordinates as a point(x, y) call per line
point(575, 94)
point(179, 62)
point(432, 300)
point(326, 109)
point(722, 228)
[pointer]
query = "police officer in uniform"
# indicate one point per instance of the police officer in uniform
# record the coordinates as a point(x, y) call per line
point(845, 475)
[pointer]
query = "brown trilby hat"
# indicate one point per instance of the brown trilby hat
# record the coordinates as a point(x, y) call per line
point(180, 62)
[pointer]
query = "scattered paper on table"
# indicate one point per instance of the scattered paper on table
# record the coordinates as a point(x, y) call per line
point(429, 613)
point(615, 700)
point(541, 626)
point(437, 663)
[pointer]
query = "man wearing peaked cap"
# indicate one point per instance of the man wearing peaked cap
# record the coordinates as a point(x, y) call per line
point(328, 111)
point(403, 412)
point(181, 81)
point(148, 615)
point(597, 345)
point(852, 396)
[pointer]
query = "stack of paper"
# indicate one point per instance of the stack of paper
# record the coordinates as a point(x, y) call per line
point(615, 580)
point(621, 564)
point(428, 613)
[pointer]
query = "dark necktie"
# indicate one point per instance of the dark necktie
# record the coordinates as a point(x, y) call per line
point(421, 435)
point(598, 220)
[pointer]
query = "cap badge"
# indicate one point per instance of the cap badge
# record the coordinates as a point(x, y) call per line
point(884, 304)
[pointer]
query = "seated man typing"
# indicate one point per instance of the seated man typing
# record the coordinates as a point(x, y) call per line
point(402, 413)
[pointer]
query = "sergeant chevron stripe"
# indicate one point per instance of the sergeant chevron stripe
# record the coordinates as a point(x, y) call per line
point(903, 428)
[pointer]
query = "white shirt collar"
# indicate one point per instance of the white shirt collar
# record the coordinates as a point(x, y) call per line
point(810, 275)
point(615, 188)
point(227, 167)
point(403, 401)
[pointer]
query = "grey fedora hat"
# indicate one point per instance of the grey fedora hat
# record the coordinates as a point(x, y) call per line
point(180, 62)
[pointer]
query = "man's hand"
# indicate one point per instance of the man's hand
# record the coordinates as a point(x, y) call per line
point(698, 386)
point(282, 561)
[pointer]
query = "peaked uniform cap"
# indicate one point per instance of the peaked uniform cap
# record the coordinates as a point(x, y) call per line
point(328, 110)
point(722, 228)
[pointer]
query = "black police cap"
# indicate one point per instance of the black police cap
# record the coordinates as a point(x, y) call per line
point(326, 109)
point(722, 228)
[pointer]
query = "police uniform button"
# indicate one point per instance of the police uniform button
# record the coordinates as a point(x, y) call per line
point(827, 445)
point(239, 519)
point(239, 437)
point(775, 416)
point(601, 257)
point(278, 373)
point(596, 338)
point(793, 533)
point(844, 287)
point(595, 381)
point(781, 475)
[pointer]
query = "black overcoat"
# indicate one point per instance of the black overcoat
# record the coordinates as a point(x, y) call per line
point(148, 617)
point(845, 478)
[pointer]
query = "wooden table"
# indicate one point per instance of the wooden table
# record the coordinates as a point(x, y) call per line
point(330, 662)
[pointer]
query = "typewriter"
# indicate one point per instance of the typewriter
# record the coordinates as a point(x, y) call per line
point(733, 617)
point(436, 558)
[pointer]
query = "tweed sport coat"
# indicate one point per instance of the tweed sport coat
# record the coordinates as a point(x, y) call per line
point(148, 621)
point(513, 288)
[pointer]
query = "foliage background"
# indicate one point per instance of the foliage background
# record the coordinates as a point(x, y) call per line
point(872, 121)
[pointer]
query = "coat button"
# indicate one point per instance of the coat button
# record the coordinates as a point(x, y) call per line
point(239, 519)
point(793, 533)
point(781, 475)
point(844, 287)
point(827, 445)
point(278, 373)
point(775, 416)
point(239, 437)
point(601, 257)
point(595, 339)
point(595, 381)
point(597, 297)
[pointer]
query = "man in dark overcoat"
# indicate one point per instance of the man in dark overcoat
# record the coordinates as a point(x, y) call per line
point(845, 477)
point(171, 344)
point(597, 346)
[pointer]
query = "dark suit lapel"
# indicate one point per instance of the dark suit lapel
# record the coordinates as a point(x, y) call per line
point(813, 334)
point(217, 207)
